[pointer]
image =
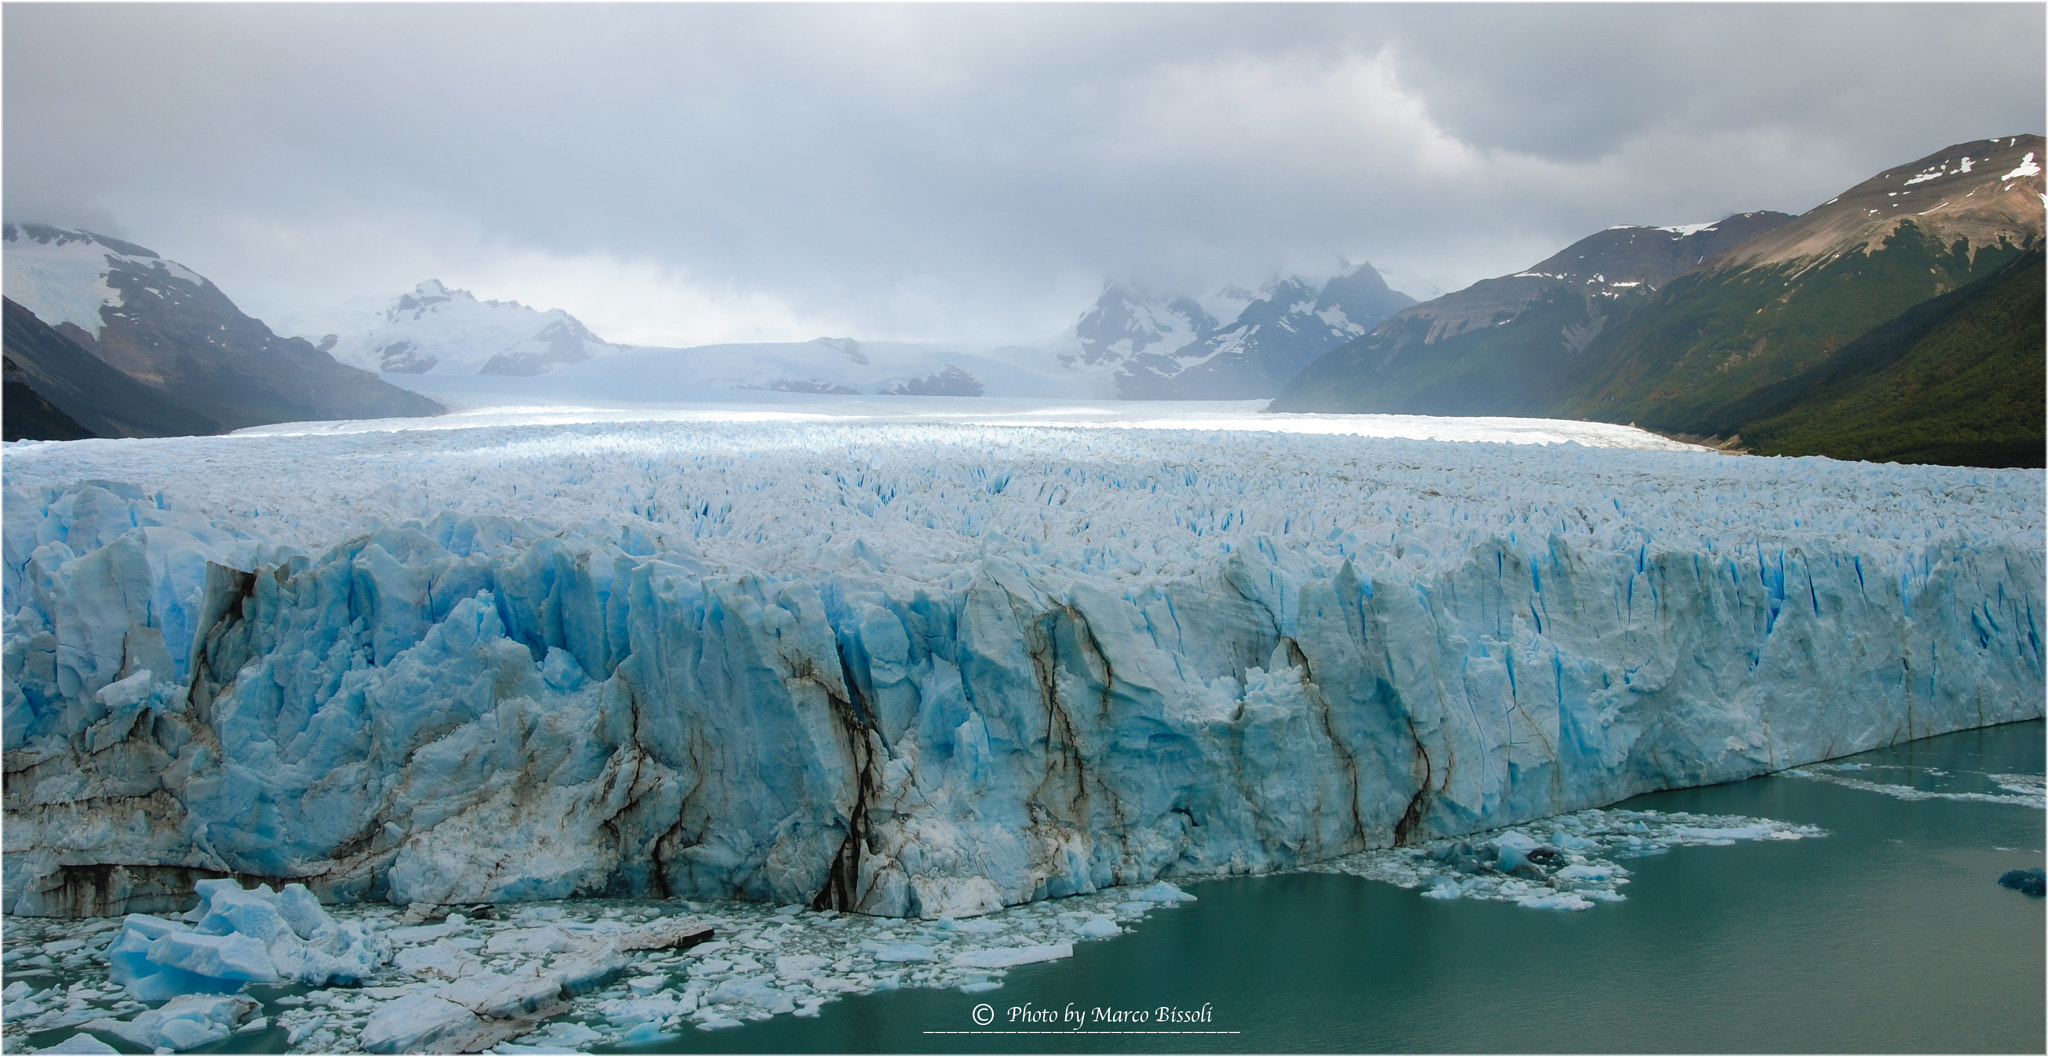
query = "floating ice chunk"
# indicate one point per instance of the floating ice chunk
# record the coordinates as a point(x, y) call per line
point(647, 985)
point(589, 970)
point(186, 1021)
point(902, 952)
point(627, 1012)
point(419, 1022)
point(544, 940)
point(235, 957)
point(421, 933)
point(752, 991)
point(1162, 892)
point(789, 966)
point(441, 959)
point(644, 1035)
point(2027, 785)
point(1004, 957)
point(80, 1043)
point(1592, 873)
point(1098, 927)
point(497, 995)
point(1554, 900)
point(1445, 888)
point(566, 1033)
point(981, 926)
point(304, 1030)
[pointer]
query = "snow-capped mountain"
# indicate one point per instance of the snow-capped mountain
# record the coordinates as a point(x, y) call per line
point(1179, 349)
point(437, 330)
point(168, 327)
point(1987, 191)
point(1123, 323)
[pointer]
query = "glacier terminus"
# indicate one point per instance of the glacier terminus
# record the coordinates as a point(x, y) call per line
point(931, 668)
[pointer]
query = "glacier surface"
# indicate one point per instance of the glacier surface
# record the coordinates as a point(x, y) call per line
point(936, 668)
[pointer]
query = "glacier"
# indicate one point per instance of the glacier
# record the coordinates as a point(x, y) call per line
point(935, 668)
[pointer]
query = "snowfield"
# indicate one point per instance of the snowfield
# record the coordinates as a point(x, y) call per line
point(917, 664)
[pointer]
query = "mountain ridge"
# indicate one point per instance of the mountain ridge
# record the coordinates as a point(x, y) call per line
point(167, 327)
point(1493, 347)
point(1177, 349)
point(438, 329)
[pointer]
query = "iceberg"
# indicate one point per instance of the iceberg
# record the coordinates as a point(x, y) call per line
point(242, 937)
point(930, 670)
point(183, 1023)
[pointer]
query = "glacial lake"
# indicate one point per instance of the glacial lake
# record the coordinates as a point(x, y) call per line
point(1891, 934)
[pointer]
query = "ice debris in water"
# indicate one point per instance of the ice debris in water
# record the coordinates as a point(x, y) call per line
point(2023, 790)
point(1561, 863)
point(570, 976)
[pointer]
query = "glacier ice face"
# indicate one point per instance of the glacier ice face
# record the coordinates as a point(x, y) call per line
point(931, 670)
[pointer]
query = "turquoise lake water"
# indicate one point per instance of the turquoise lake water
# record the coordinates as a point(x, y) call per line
point(1890, 934)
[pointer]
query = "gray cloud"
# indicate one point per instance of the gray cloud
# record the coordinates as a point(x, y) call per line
point(695, 172)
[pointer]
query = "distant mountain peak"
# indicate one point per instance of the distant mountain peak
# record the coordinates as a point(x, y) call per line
point(1983, 191)
point(1233, 344)
point(439, 329)
point(170, 331)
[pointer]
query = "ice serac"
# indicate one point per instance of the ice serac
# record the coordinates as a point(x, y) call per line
point(942, 670)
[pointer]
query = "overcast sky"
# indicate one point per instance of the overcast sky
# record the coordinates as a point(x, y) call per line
point(686, 174)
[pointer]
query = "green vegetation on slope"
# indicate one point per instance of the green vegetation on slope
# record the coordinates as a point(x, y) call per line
point(1511, 367)
point(1958, 380)
point(1713, 338)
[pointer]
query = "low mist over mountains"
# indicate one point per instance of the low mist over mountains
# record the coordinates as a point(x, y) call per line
point(1176, 349)
point(81, 301)
point(1234, 344)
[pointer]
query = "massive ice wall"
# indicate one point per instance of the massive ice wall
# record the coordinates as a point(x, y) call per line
point(933, 670)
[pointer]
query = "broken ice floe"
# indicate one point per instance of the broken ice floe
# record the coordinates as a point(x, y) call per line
point(569, 976)
point(1561, 863)
point(2024, 790)
point(543, 977)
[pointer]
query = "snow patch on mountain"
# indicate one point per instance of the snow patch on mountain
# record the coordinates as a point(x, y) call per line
point(1233, 344)
point(439, 330)
point(61, 275)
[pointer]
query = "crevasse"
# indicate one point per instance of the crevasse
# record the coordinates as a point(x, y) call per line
point(937, 670)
